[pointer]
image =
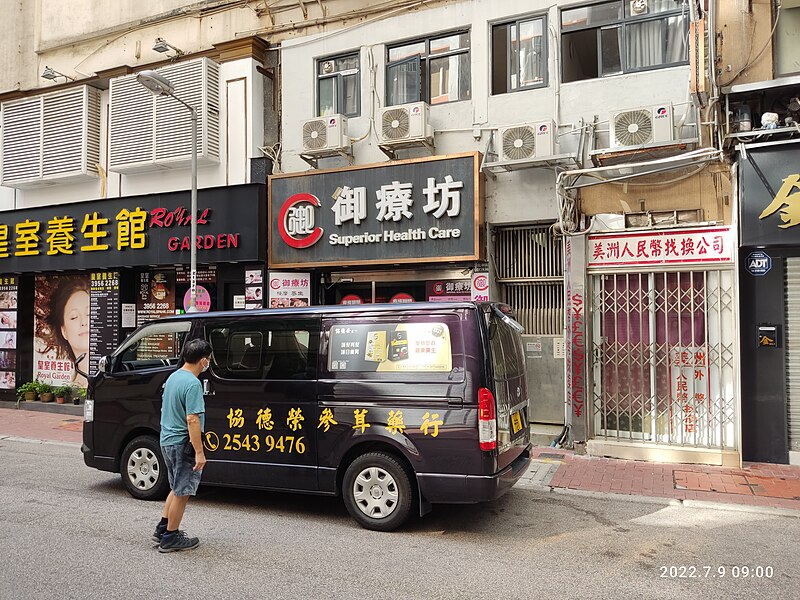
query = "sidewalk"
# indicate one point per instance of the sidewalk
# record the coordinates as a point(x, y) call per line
point(755, 484)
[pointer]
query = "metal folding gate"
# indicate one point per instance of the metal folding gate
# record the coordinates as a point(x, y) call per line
point(663, 358)
point(793, 351)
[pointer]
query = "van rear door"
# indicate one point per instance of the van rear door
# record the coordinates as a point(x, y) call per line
point(507, 359)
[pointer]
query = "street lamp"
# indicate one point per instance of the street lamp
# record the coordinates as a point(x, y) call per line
point(161, 86)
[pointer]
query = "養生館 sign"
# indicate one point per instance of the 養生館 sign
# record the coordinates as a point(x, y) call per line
point(406, 211)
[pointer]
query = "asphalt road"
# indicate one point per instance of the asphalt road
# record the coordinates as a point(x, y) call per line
point(67, 531)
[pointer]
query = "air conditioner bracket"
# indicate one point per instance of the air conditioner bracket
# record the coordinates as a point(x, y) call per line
point(312, 158)
point(390, 150)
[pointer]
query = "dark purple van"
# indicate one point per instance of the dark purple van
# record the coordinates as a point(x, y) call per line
point(394, 407)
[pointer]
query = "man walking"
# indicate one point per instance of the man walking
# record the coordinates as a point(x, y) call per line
point(182, 419)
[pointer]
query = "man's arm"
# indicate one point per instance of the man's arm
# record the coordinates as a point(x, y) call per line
point(196, 438)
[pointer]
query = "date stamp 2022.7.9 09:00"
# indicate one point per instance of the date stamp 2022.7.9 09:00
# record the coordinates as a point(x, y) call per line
point(716, 572)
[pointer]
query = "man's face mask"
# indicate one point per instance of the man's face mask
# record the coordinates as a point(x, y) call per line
point(206, 365)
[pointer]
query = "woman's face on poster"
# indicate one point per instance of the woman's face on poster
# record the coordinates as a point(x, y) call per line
point(75, 327)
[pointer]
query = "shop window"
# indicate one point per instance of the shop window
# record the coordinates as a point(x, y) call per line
point(264, 350)
point(787, 32)
point(611, 38)
point(434, 70)
point(519, 55)
point(158, 345)
point(338, 86)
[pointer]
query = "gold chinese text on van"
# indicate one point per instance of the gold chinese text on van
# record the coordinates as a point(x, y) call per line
point(787, 203)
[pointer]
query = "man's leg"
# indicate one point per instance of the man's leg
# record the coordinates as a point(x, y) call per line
point(175, 508)
point(167, 504)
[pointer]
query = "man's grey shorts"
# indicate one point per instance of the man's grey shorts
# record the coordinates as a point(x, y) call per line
point(183, 481)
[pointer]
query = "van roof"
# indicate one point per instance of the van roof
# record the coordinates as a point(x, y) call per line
point(334, 309)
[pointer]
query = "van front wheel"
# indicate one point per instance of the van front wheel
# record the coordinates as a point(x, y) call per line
point(143, 470)
point(377, 491)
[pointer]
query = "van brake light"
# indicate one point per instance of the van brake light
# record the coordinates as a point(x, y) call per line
point(487, 423)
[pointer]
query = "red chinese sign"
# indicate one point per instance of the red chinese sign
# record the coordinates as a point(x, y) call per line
point(689, 385)
point(678, 247)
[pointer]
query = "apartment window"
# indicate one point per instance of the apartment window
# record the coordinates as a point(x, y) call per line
point(338, 86)
point(787, 31)
point(434, 70)
point(610, 38)
point(519, 55)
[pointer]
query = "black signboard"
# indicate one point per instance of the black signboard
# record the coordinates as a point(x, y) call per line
point(136, 230)
point(770, 191)
point(104, 305)
point(399, 212)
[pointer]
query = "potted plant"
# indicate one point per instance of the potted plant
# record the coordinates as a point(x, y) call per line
point(45, 392)
point(29, 390)
point(62, 393)
point(78, 394)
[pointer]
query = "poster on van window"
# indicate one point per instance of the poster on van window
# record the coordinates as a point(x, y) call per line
point(386, 347)
point(62, 324)
point(8, 332)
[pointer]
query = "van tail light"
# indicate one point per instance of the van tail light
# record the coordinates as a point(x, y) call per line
point(487, 423)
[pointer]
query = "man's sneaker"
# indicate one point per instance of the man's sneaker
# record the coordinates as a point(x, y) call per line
point(159, 533)
point(177, 541)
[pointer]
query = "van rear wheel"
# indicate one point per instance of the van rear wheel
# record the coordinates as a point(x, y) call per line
point(143, 470)
point(377, 491)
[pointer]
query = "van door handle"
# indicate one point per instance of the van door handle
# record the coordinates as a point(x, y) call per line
point(455, 402)
point(207, 389)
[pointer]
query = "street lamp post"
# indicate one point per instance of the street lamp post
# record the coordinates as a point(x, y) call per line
point(161, 86)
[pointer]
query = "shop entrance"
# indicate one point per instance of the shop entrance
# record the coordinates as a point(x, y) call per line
point(663, 358)
point(398, 286)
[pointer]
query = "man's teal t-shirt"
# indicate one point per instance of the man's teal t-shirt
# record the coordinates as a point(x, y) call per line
point(183, 395)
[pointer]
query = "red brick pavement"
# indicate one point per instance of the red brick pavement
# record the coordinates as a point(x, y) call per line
point(755, 484)
point(40, 425)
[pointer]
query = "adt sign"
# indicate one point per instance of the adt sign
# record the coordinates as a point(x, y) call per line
point(758, 263)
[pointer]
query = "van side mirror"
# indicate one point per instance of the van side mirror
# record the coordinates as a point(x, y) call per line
point(104, 365)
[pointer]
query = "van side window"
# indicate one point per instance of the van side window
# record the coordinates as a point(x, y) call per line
point(264, 349)
point(157, 345)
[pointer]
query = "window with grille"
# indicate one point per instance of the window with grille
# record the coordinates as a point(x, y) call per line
point(530, 273)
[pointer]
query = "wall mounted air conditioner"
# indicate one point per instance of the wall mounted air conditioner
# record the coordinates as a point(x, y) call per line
point(325, 134)
point(404, 123)
point(148, 132)
point(526, 141)
point(641, 126)
point(51, 138)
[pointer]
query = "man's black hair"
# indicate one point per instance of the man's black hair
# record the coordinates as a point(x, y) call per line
point(196, 350)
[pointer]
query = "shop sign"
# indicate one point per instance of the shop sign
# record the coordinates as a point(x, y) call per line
point(689, 385)
point(8, 332)
point(448, 290)
point(289, 290)
point(139, 230)
point(480, 286)
point(406, 211)
point(351, 299)
point(758, 263)
point(654, 248)
point(770, 196)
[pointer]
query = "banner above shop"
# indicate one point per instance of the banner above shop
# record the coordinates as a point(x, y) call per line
point(679, 247)
point(137, 230)
point(770, 195)
point(399, 212)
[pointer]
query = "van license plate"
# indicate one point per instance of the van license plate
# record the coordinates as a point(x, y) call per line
point(516, 422)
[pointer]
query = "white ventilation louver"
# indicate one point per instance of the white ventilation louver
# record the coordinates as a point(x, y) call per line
point(642, 126)
point(148, 132)
point(526, 142)
point(325, 134)
point(404, 123)
point(51, 138)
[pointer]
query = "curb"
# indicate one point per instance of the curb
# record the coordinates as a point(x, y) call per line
point(766, 510)
point(48, 407)
point(12, 438)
